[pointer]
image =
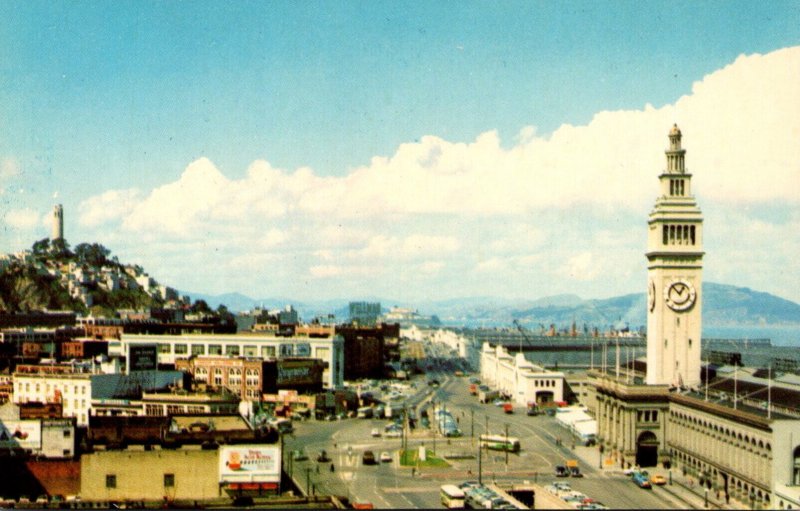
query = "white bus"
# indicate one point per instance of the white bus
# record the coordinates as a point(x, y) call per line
point(500, 442)
point(452, 496)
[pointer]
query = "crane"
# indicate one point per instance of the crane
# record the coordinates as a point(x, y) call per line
point(524, 335)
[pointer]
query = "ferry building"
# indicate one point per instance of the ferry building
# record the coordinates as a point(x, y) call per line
point(665, 415)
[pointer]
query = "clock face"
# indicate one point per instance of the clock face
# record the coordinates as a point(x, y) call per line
point(679, 295)
point(651, 296)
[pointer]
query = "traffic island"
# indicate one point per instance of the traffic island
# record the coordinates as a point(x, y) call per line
point(412, 458)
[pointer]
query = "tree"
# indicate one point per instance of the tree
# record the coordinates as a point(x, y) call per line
point(60, 248)
point(200, 307)
point(93, 254)
point(41, 247)
point(224, 314)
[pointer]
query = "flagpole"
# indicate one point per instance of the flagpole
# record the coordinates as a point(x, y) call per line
point(735, 384)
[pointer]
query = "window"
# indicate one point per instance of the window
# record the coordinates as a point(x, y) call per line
point(169, 480)
point(66, 452)
point(111, 480)
point(217, 376)
point(181, 349)
point(215, 349)
point(164, 348)
point(198, 349)
point(268, 351)
point(67, 433)
point(232, 350)
point(250, 351)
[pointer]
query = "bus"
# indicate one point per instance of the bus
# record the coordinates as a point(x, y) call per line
point(452, 496)
point(500, 442)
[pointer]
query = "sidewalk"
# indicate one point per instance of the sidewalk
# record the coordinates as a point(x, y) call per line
point(682, 487)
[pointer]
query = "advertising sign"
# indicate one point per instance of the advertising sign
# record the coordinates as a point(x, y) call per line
point(299, 372)
point(250, 463)
point(302, 349)
point(142, 357)
point(26, 434)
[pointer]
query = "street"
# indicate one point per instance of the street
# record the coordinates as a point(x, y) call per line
point(388, 485)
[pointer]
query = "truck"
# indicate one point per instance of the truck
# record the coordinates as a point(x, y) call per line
point(508, 408)
point(487, 396)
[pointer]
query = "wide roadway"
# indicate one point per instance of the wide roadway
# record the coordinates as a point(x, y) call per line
point(388, 485)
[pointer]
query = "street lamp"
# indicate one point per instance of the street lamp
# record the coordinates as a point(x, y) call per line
point(308, 481)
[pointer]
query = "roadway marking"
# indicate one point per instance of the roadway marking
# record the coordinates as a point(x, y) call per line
point(409, 489)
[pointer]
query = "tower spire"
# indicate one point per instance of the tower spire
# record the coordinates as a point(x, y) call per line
point(674, 262)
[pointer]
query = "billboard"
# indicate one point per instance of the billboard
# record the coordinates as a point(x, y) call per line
point(250, 463)
point(26, 434)
point(142, 357)
point(299, 372)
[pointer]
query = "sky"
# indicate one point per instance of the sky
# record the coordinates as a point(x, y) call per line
point(411, 150)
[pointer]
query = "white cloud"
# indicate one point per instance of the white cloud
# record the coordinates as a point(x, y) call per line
point(325, 271)
point(566, 204)
point(110, 206)
point(23, 219)
point(580, 267)
point(9, 167)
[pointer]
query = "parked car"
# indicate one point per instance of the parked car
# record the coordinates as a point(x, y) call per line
point(658, 479)
point(575, 472)
point(323, 457)
point(368, 458)
point(376, 432)
point(298, 455)
point(386, 457)
point(561, 471)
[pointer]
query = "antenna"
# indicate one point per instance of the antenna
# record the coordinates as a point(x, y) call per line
point(735, 383)
point(617, 362)
point(769, 391)
point(706, 378)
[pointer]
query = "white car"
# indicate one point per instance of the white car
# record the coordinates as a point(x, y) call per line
point(393, 433)
point(386, 457)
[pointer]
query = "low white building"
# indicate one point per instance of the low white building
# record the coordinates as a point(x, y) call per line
point(49, 438)
point(172, 347)
point(519, 378)
point(72, 389)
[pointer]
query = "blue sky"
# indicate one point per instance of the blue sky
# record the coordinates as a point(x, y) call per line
point(104, 105)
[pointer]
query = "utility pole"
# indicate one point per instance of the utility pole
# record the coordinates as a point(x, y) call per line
point(506, 447)
point(472, 423)
point(480, 467)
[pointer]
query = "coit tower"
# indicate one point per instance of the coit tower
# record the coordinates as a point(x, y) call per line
point(58, 222)
point(674, 271)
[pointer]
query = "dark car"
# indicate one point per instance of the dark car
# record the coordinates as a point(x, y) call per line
point(561, 471)
point(323, 457)
point(368, 458)
point(575, 472)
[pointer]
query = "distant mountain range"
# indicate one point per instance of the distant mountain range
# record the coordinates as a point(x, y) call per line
point(723, 305)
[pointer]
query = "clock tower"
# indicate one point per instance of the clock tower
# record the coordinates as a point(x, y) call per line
point(674, 272)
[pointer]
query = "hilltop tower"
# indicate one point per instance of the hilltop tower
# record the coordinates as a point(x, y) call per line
point(58, 222)
point(674, 270)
